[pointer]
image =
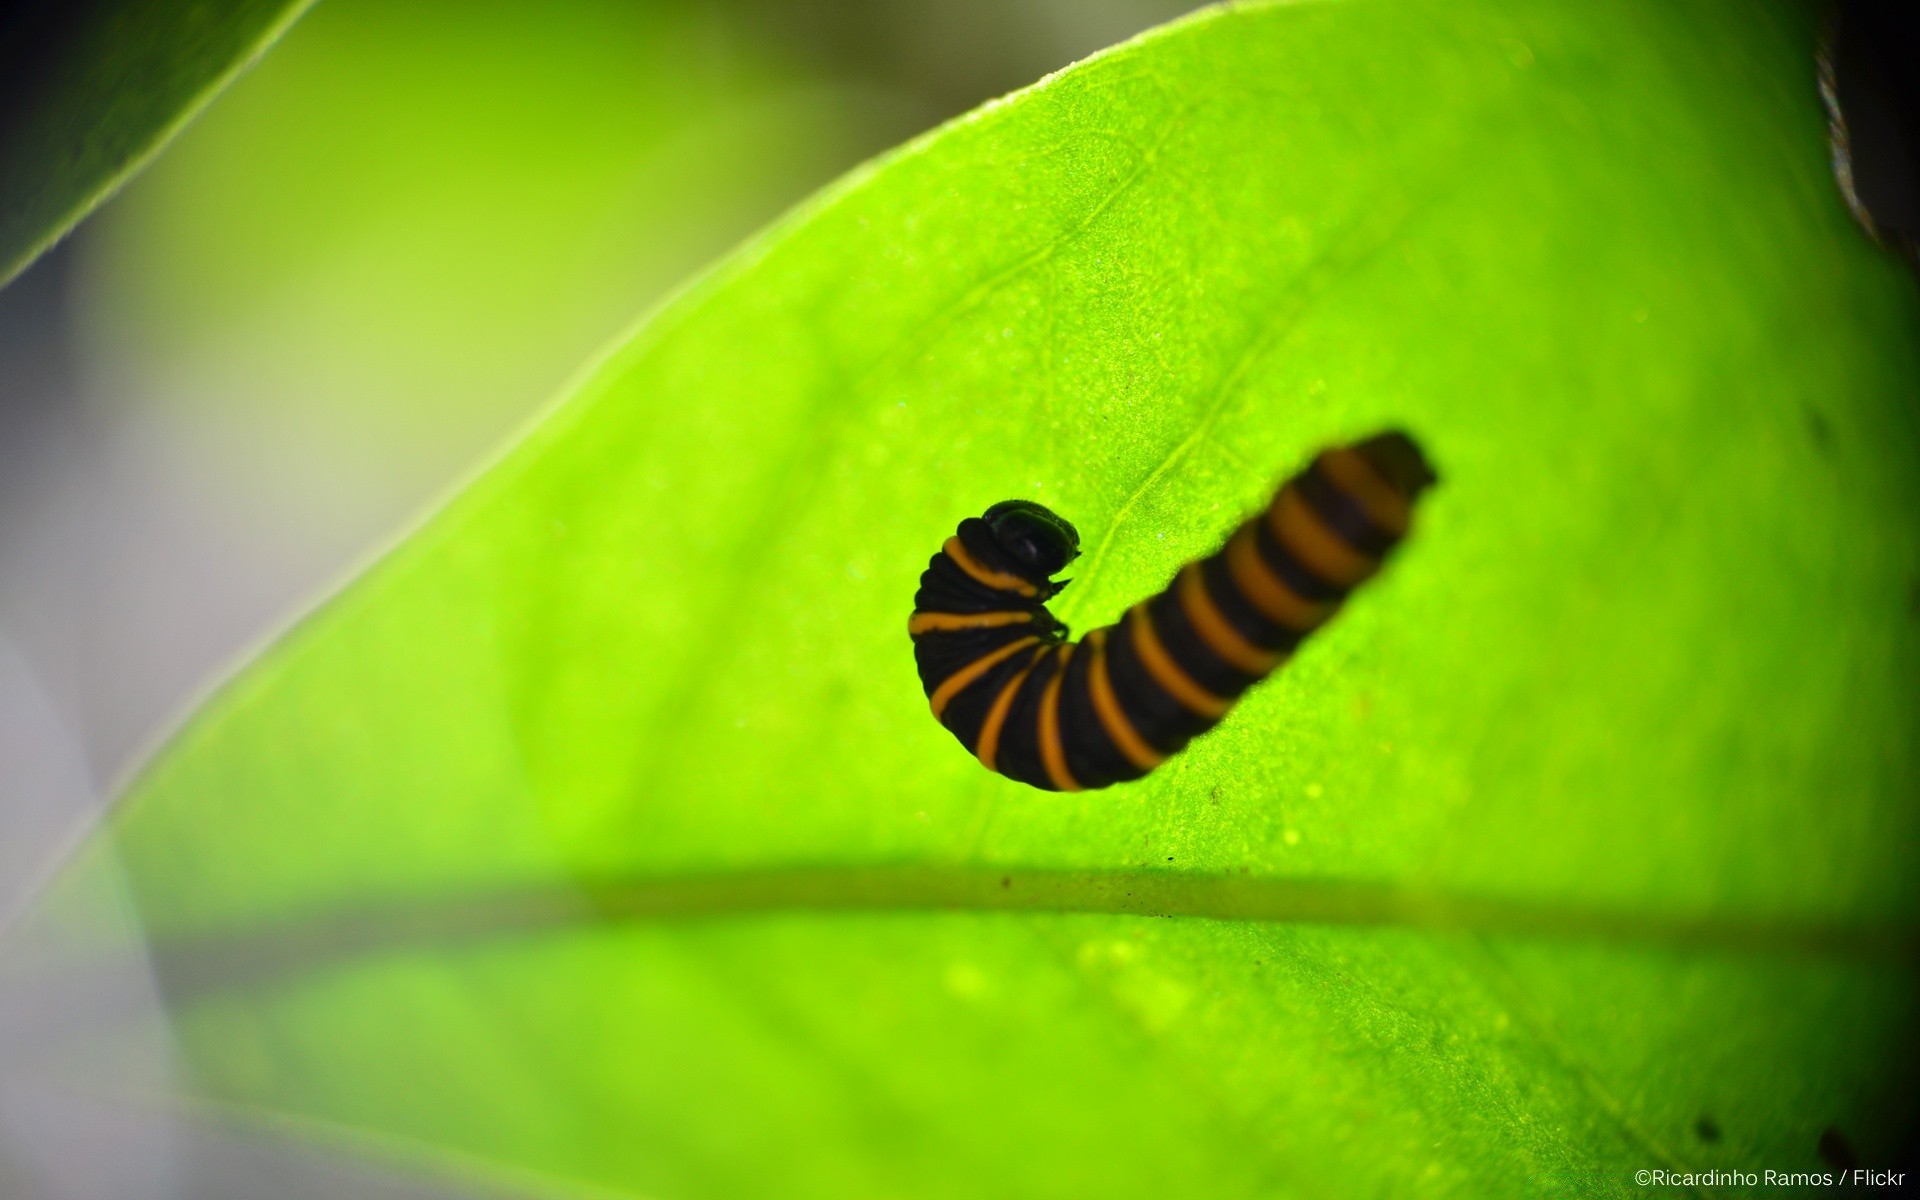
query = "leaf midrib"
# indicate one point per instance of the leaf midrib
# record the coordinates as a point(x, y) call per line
point(192, 966)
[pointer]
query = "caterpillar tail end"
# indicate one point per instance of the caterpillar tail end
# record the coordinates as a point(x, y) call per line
point(1400, 462)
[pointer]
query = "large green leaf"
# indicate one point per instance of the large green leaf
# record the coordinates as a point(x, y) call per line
point(600, 836)
point(93, 90)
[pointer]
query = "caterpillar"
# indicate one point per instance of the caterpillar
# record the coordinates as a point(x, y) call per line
point(1003, 678)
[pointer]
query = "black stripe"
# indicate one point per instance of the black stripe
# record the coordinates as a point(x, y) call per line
point(1161, 721)
point(1190, 651)
point(1343, 513)
point(1018, 756)
point(1290, 570)
point(946, 587)
point(939, 655)
point(966, 712)
point(1240, 613)
point(1092, 758)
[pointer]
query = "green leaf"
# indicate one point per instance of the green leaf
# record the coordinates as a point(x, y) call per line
point(600, 836)
point(93, 90)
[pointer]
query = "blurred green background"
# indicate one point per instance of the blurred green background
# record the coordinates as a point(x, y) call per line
point(332, 298)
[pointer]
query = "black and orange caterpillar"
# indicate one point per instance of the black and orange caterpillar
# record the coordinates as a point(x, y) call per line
point(1004, 679)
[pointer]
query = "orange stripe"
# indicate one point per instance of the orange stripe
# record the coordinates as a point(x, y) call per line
point(957, 682)
point(1318, 548)
point(928, 622)
point(1107, 707)
point(1167, 673)
point(1000, 581)
point(1264, 590)
point(1221, 638)
point(1052, 754)
point(989, 747)
point(1386, 508)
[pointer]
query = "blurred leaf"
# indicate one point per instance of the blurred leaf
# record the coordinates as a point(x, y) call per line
point(412, 224)
point(600, 835)
point(92, 91)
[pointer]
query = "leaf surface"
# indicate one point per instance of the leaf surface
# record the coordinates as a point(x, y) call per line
point(599, 835)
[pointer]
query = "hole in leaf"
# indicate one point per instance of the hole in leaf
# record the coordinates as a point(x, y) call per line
point(1870, 81)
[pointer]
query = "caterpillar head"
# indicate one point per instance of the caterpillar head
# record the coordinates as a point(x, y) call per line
point(1041, 541)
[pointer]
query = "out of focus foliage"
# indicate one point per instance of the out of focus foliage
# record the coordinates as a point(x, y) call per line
point(91, 88)
point(348, 282)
